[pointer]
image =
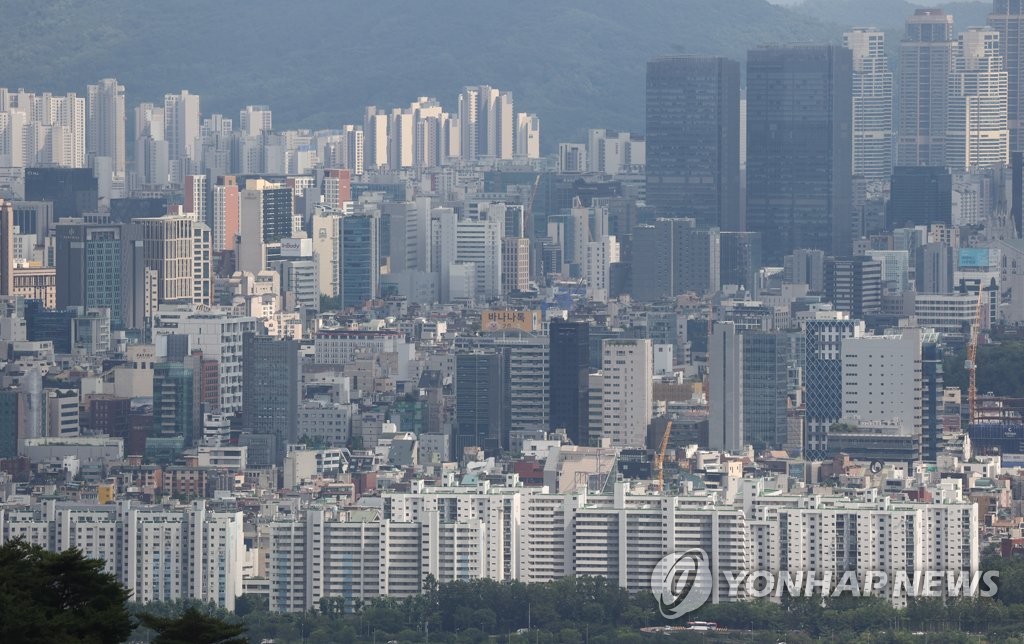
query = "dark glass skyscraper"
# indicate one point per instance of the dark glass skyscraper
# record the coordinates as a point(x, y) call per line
point(482, 411)
point(1007, 18)
point(73, 191)
point(693, 146)
point(271, 389)
point(920, 196)
point(569, 370)
point(799, 148)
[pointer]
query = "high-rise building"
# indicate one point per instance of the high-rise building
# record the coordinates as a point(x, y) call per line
point(854, 285)
point(482, 409)
point(823, 376)
point(73, 191)
point(799, 148)
point(725, 385)
point(487, 122)
point(6, 247)
point(569, 372)
point(197, 198)
point(977, 130)
point(882, 381)
point(169, 251)
point(255, 120)
point(627, 391)
point(527, 136)
point(932, 399)
point(765, 388)
point(359, 258)
point(271, 388)
point(266, 216)
point(105, 123)
point(225, 213)
point(219, 336)
point(181, 132)
point(920, 196)
point(933, 272)
point(741, 260)
point(90, 265)
point(515, 265)
point(1007, 18)
point(173, 403)
point(872, 104)
point(693, 139)
point(925, 65)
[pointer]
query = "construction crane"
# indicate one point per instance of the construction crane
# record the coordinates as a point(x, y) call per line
point(659, 458)
point(971, 364)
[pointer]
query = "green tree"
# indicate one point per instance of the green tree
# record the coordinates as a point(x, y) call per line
point(59, 597)
point(194, 627)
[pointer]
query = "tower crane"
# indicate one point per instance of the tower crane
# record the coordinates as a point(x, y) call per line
point(659, 458)
point(971, 364)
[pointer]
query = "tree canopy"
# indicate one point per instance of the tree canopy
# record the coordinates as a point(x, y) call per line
point(59, 597)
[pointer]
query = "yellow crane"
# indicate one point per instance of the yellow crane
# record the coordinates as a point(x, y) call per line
point(659, 458)
point(971, 363)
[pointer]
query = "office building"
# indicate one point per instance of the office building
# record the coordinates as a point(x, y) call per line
point(765, 366)
point(854, 285)
point(218, 336)
point(73, 191)
point(872, 104)
point(725, 388)
point(359, 259)
point(925, 68)
point(174, 409)
point(920, 196)
point(740, 260)
point(933, 268)
point(482, 406)
point(882, 381)
point(692, 139)
point(627, 391)
point(823, 376)
point(271, 388)
point(799, 148)
point(90, 265)
point(168, 244)
point(1007, 18)
point(266, 216)
point(977, 130)
point(569, 370)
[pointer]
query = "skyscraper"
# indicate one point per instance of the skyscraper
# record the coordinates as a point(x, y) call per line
point(569, 369)
point(725, 382)
point(926, 61)
point(1007, 18)
point(693, 147)
point(359, 259)
point(872, 104)
point(920, 196)
point(105, 123)
point(271, 388)
point(854, 285)
point(482, 409)
point(977, 131)
point(89, 260)
point(799, 148)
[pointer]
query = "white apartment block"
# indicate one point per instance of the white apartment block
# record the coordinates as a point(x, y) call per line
point(627, 391)
point(159, 554)
point(528, 534)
